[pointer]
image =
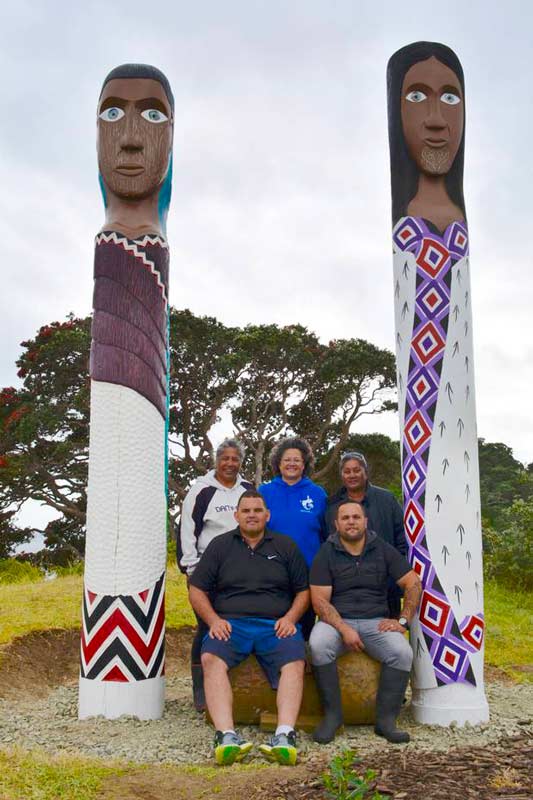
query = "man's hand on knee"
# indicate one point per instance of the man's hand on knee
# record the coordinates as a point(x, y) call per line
point(284, 628)
point(351, 639)
point(220, 629)
point(390, 625)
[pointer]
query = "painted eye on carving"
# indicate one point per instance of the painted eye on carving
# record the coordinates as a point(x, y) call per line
point(153, 115)
point(416, 96)
point(450, 98)
point(112, 114)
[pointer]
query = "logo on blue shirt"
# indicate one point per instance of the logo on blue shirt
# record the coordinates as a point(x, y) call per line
point(307, 504)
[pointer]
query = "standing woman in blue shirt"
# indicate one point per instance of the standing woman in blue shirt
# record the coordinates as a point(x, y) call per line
point(297, 505)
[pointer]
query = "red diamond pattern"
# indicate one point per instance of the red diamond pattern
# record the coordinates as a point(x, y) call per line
point(417, 432)
point(414, 521)
point(428, 342)
point(432, 257)
point(434, 613)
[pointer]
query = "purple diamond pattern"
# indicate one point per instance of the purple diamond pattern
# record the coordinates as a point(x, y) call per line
point(435, 256)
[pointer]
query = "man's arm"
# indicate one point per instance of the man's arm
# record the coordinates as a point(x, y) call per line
point(286, 625)
point(410, 583)
point(412, 587)
point(321, 597)
point(218, 628)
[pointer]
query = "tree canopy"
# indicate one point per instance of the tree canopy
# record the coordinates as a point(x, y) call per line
point(266, 380)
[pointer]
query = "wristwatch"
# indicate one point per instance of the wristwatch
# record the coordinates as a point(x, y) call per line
point(404, 623)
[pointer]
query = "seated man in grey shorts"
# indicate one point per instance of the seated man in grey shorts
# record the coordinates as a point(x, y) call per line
point(349, 581)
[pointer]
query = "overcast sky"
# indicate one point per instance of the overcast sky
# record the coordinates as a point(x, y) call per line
point(281, 198)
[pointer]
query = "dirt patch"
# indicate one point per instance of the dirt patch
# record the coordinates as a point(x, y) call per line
point(32, 665)
point(167, 783)
point(504, 771)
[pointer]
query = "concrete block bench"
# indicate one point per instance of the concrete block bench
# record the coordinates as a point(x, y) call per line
point(254, 702)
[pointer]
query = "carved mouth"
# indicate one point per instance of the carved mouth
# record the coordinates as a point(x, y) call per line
point(436, 142)
point(131, 170)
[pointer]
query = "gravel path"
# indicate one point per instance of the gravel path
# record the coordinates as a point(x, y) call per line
point(182, 736)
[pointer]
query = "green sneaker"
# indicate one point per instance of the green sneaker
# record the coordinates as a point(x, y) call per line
point(281, 748)
point(230, 747)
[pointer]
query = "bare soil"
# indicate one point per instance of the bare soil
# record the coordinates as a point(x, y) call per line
point(33, 665)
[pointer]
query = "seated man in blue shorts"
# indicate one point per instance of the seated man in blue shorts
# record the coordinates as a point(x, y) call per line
point(251, 588)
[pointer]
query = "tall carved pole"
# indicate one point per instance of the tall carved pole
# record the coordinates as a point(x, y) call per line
point(123, 630)
point(440, 473)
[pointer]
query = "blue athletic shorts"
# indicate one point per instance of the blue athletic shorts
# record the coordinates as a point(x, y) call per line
point(255, 635)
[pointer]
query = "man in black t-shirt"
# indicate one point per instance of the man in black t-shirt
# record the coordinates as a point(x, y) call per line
point(251, 588)
point(349, 579)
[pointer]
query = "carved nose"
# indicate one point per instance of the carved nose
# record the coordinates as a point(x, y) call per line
point(131, 141)
point(435, 120)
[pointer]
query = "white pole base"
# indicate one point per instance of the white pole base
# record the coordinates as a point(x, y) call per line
point(111, 699)
point(453, 704)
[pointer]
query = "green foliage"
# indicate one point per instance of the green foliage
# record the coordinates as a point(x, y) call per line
point(503, 479)
point(342, 782)
point(509, 550)
point(509, 619)
point(44, 437)
point(38, 776)
point(14, 571)
point(383, 457)
point(271, 380)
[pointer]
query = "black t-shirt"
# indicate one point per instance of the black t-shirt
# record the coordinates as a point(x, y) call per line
point(251, 582)
point(359, 582)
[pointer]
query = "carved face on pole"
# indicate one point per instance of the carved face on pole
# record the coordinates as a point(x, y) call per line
point(135, 128)
point(432, 112)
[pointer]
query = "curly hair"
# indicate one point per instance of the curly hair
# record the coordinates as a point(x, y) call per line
point(292, 443)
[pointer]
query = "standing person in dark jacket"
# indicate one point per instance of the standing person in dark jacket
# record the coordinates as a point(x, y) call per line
point(296, 504)
point(383, 511)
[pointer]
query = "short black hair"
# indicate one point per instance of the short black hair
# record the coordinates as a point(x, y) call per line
point(404, 171)
point(348, 501)
point(141, 71)
point(251, 493)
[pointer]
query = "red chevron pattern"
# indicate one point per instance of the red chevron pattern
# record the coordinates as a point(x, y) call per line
point(123, 636)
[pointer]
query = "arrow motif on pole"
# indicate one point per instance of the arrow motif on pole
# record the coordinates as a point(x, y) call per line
point(456, 311)
point(397, 289)
point(466, 328)
point(438, 500)
point(477, 518)
point(399, 340)
point(458, 592)
point(445, 553)
point(459, 278)
point(468, 557)
point(467, 492)
point(466, 299)
point(445, 465)
point(460, 531)
point(460, 426)
point(400, 382)
point(455, 349)
point(449, 390)
point(405, 309)
point(405, 270)
point(477, 590)
point(419, 648)
point(467, 393)
point(467, 460)
point(466, 363)
point(442, 426)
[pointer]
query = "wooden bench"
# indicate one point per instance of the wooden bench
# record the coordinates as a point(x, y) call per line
point(254, 702)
